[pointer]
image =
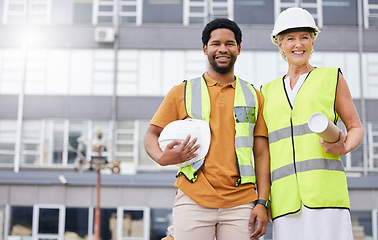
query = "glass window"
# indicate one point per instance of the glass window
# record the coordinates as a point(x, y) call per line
point(357, 157)
point(125, 141)
point(55, 136)
point(162, 11)
point(2, 217)
point(7, 140)
point(371, 71)
point(81, 72)
point(103, 72)
point(77, 129)
point(35, 76)
point(362, 224)
point(254, 11)
point(48, 222)
point(47, 225)
point(104, 127)
point(161, 219)
point(373, 144)
point(108, 223)
point(375, 224)
point(144, 159)
point(12, 68)
point(128, 72)
point(371, 10)
point(135, 223)
point(31, 142)
point(76, 223)
point(82, 12)
point(27, 11)
point(20, 221)
point(340, 13)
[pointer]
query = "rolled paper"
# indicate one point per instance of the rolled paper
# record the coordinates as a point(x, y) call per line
point(325, 128)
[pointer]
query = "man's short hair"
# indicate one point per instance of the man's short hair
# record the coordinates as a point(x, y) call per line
point(221, 23)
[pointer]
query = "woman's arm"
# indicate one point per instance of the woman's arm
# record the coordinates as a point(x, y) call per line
point(345, 108)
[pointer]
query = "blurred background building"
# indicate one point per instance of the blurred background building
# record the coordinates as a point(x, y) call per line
point(68, 67)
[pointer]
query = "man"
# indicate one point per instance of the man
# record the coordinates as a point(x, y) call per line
point(218, 196)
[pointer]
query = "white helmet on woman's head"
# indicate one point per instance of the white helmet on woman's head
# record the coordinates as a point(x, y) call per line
point(294, 18)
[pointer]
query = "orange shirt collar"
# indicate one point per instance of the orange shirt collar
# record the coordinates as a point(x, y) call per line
point(211, 82)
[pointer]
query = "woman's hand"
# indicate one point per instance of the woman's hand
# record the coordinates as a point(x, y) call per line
point(336, 148)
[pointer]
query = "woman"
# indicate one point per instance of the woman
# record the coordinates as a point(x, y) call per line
point(309, 191)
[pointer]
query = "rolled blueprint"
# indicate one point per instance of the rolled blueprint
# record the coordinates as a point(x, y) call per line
point(327, 130)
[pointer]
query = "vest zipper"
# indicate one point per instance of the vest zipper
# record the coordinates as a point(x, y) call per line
point(292, 143)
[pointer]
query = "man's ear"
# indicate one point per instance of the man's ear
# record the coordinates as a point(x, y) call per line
point(239, 48)
point(204, 47)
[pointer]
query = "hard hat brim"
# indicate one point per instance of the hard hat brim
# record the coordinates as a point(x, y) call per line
point(274, 37)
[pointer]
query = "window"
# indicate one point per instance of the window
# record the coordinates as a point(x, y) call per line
point(373, 144)
point(27, 11)
point(2, 217)
point(161, 219)
point(108, 223)
point(127, 137)
point(7, 140)
point(117, 12)
point(48, 222)
point(254, 12)
point(82, 12)
point(162, 11)
point(20, 222)
point(201, 11)
point(370, 68)
point(76, 223)
point(370, 13)
point(362, 224)
point(31, 150)
point(375, 224)
point(133, 223)
point(340, 13)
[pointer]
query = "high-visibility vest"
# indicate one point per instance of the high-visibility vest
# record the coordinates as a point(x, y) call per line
point(197, 104)
point(301, 172)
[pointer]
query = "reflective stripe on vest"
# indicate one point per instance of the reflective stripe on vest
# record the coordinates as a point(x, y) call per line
point(197, 103)
point(301, 172)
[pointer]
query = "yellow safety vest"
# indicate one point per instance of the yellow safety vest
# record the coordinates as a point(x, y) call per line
point(197, 104)
point(301, 172)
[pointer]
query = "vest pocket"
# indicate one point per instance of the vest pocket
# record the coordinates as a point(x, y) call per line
point(245, 114)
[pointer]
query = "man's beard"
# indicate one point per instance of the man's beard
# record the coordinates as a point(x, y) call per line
point(225, 69)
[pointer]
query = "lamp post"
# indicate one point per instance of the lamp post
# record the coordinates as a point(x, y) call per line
point(96, 164)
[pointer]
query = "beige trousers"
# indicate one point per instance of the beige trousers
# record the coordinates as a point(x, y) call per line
point(194, 222)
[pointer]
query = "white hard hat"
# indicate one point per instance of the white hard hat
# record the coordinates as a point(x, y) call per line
point(291, 18)
point(180, 129)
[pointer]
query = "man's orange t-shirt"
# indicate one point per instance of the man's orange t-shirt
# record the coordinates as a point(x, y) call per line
point(215, 184)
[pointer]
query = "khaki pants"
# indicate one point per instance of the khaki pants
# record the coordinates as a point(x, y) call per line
point(194, 222)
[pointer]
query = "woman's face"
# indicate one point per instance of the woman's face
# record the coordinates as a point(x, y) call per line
point(297, 46)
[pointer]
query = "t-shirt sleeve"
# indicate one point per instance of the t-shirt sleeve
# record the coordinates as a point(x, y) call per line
point(260, 127)
point(172, 108)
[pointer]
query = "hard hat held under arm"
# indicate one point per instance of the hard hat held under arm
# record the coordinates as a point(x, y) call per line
point(197, 103)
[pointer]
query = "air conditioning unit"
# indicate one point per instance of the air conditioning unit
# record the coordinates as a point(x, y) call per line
point(104, 34)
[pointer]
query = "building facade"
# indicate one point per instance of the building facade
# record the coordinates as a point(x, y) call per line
point(69, 68)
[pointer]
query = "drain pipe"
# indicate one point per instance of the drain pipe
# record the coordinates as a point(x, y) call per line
point(362, 97)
